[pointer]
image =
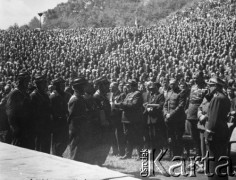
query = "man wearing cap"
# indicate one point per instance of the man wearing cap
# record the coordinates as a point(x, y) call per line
point(197, 94)
point(216, 130)
point(42, 112)
point(59, 100)
point(174, 117)
point(132, 119)
point(18, 111)
point(77, 120)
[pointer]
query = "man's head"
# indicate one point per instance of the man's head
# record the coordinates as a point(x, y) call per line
point(113, 87)
point(173, 84)
point(133, 85)
point(41, 82)
point(79, 84)
point(215, 84)
point(23, 80)
point(59, 84)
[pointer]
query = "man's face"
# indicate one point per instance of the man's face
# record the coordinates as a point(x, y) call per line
point(212, 87)
point(172, 86)
point(113, 88)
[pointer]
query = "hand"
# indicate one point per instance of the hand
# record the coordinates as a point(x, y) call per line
point(167, 116)
point(202, 118)
point(232, 113)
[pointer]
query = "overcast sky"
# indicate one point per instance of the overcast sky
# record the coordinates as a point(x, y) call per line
point(22, 11)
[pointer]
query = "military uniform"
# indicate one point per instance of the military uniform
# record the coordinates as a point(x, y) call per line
point(105, 131)
point(196, 97)
point(42, 120)
point(18, 109)
point(118, 140)
point(59, 102)
point(174, 105)
point(5, 134)
point(132, 121)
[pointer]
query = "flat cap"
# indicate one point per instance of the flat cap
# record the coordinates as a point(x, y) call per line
point(79, 81)
point(132, 82)
point(40, 77)
point(101, 80)
point(23, 75)
point(58, 81)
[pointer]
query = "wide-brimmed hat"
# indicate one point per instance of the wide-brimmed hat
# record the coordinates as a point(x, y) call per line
point(216, 80)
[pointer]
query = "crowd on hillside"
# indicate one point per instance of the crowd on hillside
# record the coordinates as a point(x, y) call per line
point(179, 55)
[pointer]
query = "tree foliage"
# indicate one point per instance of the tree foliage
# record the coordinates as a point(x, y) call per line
point(109, 13)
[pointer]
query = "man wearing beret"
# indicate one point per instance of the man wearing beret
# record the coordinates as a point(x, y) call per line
point(132, 118)
point(59, 100)
point(174, 116)
point(18, 110)
point(216, 130)
point(41, 114)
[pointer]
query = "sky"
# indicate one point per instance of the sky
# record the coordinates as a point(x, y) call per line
point(22, 11)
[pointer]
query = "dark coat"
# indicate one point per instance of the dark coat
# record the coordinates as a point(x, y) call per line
point(218, 110)
point(41, 112)
point(132, 107)
point(18, 109)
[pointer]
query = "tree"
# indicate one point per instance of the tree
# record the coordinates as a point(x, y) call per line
point(34, 23)
point(25, 26)
point(14, 27)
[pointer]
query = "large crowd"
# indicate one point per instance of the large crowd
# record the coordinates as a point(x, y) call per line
point(86, 90)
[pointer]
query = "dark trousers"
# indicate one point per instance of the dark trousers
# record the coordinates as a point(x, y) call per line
point(217, 149)
point(203, 144)
point(175, 133)
point(43, 142)
point(59, 141)
point(133, 137)
point(195, 134)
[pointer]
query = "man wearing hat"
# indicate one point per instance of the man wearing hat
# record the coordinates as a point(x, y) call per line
point(59, 100)
point(18, 111)
point(76, 121)
point(174, 116)
point(132, 119)
point(216, 130)
point(41, 114)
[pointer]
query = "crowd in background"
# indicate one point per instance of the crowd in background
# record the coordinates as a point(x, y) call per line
point(198, 43)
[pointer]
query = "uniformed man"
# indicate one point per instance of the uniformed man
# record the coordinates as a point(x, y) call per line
point(118, 140)
point(155, 120)
point(18, 111)
point(41, 114)
point(174, 117)
point(217, 132)
point(132, 119)
point(76, 121)
point(197, 93)
point(59, 100)
point(101, 98)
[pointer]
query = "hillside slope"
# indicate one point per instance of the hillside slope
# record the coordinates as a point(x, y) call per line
point(111, 13)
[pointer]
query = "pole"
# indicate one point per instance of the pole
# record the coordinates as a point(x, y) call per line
point(40, 14)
